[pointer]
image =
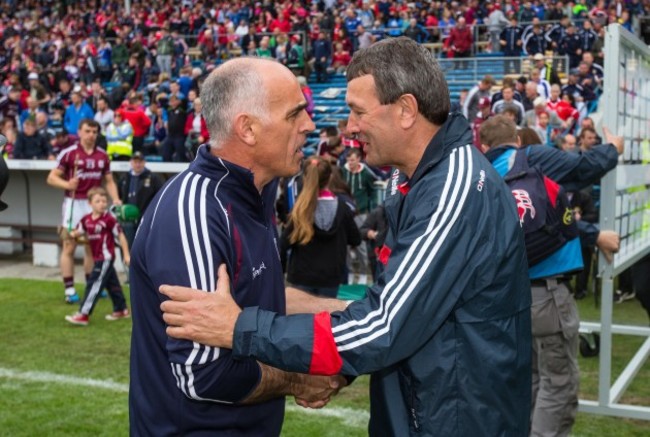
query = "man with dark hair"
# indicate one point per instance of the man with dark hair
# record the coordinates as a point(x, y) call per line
point(137, 187)
point(173, 148)
point(479, 91)
point(555, 320)
point(453, 291)
point(587, 138)
point(557, 32)
point(570, 45)
point(509, 100)
point(511, 43)
point(80, 167)
point(30, 145)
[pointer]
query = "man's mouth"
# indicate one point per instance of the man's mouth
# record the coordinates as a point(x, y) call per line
point(363, 144)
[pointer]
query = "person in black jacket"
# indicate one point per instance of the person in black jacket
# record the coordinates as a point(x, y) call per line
point(320, 228)
point(31, 145)
point(571, 45)
point(173, 148)
point(322, 56)
point(374, 230)
point(137, 187)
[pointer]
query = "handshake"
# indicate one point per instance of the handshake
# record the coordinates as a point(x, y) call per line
point(312, 391)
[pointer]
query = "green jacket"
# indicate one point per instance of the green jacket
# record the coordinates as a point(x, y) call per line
point(120, 54)
point(361, 184)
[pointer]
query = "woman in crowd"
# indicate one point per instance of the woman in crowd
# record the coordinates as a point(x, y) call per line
point(320, 228)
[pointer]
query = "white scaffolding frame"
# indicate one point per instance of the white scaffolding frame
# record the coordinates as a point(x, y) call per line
point(626, 102)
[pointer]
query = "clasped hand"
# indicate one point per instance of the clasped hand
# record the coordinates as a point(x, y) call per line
point(312, 391)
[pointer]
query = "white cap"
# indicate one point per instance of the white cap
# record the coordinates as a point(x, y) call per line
point(539, 101)
point(32, 76)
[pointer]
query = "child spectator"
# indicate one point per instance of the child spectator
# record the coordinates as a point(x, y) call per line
point(101, 228)
point(320, 228)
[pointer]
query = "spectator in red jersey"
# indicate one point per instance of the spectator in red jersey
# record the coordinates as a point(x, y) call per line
point(567, 113)
point(340, 59)
point(460, 41)
point(484, 112)
point(135, 115)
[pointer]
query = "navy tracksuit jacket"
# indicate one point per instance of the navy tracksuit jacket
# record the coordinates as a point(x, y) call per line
point(207, 215)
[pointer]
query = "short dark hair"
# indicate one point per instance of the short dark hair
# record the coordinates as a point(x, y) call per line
point(88, 122)
point(331, 131)
point(528, 136)
point(585, 130)
point(355, 151)
point(401, 66)
point(498, 130)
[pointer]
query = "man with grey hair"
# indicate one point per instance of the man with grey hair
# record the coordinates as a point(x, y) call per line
point(220, 212)
point(453, 292)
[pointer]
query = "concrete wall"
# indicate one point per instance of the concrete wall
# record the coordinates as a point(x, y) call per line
point(32, 202)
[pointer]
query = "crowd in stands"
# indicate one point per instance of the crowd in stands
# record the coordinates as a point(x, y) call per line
point(138, 72)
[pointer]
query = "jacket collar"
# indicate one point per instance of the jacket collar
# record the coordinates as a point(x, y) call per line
point(495, 152)
point(455, 132)
point(216, 168)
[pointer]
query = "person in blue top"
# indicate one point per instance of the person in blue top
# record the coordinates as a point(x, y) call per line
point(554, 313)
point(77, 111)
point(220, 211)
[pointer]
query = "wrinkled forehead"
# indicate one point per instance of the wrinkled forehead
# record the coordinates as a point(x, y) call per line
point(361, 91)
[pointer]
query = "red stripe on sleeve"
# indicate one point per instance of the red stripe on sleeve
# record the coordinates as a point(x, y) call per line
point(325, 359)
point(552, 189)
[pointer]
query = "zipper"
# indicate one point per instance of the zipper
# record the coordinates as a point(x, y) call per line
point(414, 416)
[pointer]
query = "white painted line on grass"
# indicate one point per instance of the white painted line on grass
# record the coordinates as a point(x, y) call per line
point(63, 379)
point(349, 416)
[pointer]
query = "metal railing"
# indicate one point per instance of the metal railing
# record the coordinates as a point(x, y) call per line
point(510, 66)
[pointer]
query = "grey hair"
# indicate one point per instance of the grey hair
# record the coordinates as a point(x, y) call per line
point(401, 66)
point(232, 88)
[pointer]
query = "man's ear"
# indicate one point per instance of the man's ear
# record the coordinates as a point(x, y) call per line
point(245, 128)
point(485, 148)
point(408, 110)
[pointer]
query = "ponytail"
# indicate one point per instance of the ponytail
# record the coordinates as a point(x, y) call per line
point(316, 176)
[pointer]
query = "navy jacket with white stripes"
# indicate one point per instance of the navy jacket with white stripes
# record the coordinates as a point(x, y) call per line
point(445, 331)
point(207, 215)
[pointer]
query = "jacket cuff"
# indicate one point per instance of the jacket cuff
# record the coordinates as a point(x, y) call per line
point(245, 328)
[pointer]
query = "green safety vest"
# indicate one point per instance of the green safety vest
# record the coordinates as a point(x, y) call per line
point(118, 148)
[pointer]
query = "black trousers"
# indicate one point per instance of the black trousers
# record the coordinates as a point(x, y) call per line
point(102, 276)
